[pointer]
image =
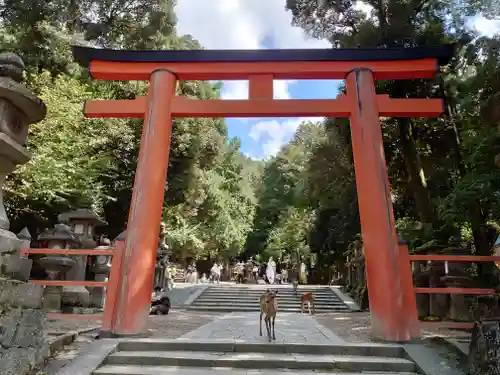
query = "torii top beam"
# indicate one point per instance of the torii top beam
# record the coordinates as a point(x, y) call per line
point(385, 63)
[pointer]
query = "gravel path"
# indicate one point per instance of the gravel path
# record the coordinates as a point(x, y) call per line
point(179, 322)
point(355, 327)
point(172, 326)
point(61, 326)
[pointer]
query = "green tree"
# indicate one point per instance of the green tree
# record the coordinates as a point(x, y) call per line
point(91, 163)
point(429, 169)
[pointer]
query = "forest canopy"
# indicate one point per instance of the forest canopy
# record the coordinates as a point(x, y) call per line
point(300, 203)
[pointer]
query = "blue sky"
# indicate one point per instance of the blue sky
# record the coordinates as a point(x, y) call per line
point(260, 138)
point(259, 24)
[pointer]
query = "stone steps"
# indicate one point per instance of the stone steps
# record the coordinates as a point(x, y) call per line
point(228, 309)
point(251, 302)
point(182, 344)
point(162, 357)
point(239, 298)
point(253, 299)
point(158, 370)
point(282, 296)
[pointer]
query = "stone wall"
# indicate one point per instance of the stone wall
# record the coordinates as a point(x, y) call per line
point(22, 341)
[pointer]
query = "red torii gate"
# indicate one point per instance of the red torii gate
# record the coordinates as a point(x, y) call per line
point(390, 287)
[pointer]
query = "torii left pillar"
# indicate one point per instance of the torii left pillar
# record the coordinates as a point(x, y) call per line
point(133, 295)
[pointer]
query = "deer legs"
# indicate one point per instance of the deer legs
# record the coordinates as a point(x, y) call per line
point(269, 320)
point(260, 324)
point(274, 335)
point(268, 309)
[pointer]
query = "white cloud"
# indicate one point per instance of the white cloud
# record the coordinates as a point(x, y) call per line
point(239, 90)
point(483, 26)
point(247, 24)
point(272, 135)
point(251, 24)
point(241, 24)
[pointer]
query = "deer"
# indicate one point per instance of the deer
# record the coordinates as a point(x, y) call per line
point(307, 299)
point(269, 307)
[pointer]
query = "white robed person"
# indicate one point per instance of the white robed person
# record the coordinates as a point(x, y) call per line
point(271, 270)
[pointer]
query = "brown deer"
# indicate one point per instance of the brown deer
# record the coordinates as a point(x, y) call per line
point(307, 299)
point(269, 307)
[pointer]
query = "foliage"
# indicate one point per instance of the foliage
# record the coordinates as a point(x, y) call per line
point(77, 163)
point(300, 202)
point(441, 170)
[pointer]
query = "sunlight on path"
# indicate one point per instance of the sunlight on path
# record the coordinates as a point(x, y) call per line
point(244, 327)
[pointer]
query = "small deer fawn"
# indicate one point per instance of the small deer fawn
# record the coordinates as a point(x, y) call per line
point(269, 307)
point(307, 299)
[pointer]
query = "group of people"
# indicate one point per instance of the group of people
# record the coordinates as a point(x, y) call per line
point(245, 272)
point(270, 272)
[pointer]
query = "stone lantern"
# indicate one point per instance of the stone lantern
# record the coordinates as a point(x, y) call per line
point(82, 223)
point(100, 267)
point(56, 266)
point(25, 237)
point(17, 267)
point(456, 276)
point(24, 350)
point(162, 258)
point(19, 108)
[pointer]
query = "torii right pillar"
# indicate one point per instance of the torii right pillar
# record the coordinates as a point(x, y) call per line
point(393, 309)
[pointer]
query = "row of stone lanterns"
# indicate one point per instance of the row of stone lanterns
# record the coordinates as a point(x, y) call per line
point(75, 230)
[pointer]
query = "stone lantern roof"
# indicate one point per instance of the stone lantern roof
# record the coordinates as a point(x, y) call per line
point(24, 234)
point(82, 214)
point(60, 232)
point(11, 73)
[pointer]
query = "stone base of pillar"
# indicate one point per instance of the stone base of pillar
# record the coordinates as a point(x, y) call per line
point(75, 296)
point(98, 294)
point(98, 297)
point(52, 299)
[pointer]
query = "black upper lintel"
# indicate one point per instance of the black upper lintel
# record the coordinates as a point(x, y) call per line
point(442, 53)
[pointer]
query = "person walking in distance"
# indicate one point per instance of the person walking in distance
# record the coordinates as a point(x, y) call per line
point(303, 273)
point(255, 272)
point(215, 273)
point(240, 269)
point(271, 270)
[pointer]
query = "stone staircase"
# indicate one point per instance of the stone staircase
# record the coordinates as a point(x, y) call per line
point(185, 357)
point(234, 298)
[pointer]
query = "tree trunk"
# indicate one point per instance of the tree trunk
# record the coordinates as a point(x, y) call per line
point(417, 180)
point(477, 217)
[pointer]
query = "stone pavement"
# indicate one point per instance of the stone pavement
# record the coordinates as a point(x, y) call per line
point(232, 343)
point(174, 325)
point(244, 327)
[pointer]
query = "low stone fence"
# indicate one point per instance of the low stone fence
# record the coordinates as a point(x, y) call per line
point(22, 341)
